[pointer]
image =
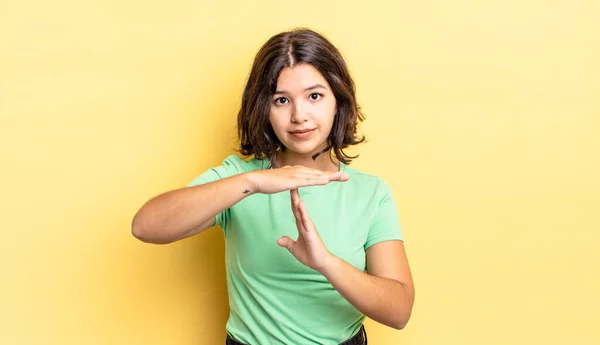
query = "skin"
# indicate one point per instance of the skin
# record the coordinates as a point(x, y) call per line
point(304, 101)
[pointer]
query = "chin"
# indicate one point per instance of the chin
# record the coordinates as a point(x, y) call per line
point(303, 149)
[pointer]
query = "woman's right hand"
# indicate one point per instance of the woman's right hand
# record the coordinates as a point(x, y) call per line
point(292, 177)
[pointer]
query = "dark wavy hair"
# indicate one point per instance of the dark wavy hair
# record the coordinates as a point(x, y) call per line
point(288, 49)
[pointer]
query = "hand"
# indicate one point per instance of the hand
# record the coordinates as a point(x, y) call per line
point(292, 177)
point(309, 249)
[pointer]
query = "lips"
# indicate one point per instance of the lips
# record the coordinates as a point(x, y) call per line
point(300, 131)
point(303, 134)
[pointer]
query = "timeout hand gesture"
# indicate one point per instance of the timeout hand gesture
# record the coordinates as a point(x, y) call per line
point(292, 177)
point(308, 248)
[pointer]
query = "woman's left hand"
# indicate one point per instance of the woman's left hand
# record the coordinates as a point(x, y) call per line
point(309, 249)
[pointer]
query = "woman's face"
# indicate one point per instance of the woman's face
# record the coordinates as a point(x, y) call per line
point(302, 109)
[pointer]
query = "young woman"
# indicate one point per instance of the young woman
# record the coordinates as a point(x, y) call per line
point(312, 245)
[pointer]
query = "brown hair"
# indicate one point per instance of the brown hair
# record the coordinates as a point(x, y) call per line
point(288, 49)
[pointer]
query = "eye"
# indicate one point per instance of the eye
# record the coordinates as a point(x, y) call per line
point(281, 101)
point(315, 96)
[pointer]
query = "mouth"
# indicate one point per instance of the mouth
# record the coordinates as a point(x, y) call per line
point(303, 133)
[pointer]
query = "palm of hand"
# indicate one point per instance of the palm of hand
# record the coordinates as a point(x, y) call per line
point(308, 248)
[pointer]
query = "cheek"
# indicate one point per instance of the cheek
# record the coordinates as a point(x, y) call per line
point(328, 113)
point(275, 117)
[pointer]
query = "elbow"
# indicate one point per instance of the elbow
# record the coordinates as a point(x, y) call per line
point(399, 325)
point(143, 233)
point(400, 322)
point(401, 318)
point(404, 311)
point(138, 231)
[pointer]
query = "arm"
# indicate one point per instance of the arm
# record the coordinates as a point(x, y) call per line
point(386, 293)
point(185, 212)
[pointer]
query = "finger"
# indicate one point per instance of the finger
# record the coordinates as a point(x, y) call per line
point(296, 213)
point(306, 221)
point(295, 198)
point(304, 172)
point(304, 169)
point(323, 177)
point(318, 181)
point(322, 172)
point(311, 181)
point(309, 175)
point(339, 176)
point(327, 178)
point(287, 243)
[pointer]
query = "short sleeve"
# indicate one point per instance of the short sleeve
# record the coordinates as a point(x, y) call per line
point(232, 165)
point(386, 223)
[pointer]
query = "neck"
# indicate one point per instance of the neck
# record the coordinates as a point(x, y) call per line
point(325, 162)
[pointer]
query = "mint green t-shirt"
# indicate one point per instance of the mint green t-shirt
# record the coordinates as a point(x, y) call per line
point(273, 298)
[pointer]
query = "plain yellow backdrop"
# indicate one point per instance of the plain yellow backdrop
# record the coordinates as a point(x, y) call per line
point(483, 116)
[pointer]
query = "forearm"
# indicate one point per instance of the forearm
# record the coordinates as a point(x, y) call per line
point(172, 215)
point(384, 300)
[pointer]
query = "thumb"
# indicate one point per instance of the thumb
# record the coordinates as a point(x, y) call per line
point(286, 242)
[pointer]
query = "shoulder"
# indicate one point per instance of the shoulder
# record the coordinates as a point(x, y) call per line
point(238, 163)
point(367, 182)
point(231, 165)
point(234, 164)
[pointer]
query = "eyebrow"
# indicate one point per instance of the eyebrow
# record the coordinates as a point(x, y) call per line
point(316, 86)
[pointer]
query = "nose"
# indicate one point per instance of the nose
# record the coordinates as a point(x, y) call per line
point(298, 114)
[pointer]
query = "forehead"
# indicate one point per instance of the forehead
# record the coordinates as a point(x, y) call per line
point(300, 77)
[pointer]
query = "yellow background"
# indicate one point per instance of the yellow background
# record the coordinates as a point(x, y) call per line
point(484, 117)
